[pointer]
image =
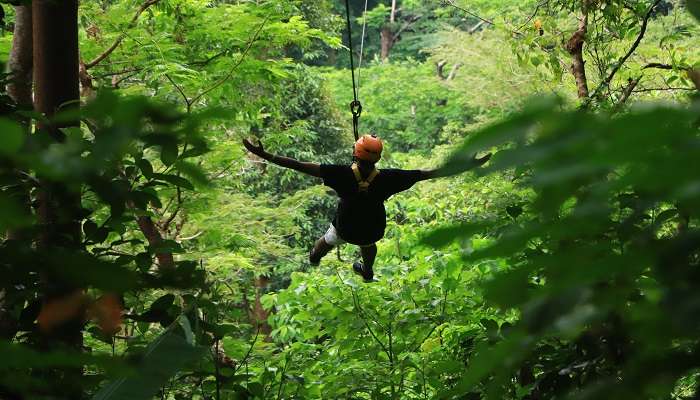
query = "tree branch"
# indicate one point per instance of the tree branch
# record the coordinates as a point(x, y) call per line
point(575, 48)
point(606, 82)
point(658, 66)
point(405, 26)
point(233, 68)
point(453, 72)
point(440, 66)
point(627, 92)
point(662, 89)
point(188, 103)
point(122, 36)
point(208, 60)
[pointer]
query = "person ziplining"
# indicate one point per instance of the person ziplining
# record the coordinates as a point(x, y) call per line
point(360, 218)
point(362, 189)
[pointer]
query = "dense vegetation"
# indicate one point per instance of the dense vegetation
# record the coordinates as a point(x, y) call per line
point(144, 254)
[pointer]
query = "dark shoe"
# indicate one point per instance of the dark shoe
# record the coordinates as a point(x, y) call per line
point(366, 273)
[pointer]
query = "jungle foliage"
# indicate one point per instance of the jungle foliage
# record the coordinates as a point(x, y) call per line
point(145, 254)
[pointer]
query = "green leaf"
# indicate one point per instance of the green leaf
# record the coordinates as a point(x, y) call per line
point(145, 167)
point(187, 329)
point(168, 152)
point(11, 137)
point(166, 246)
point(164, 357)
point(694, 8)
point(514, 211)
point(175, 180)
point(443, 236)
point(193, 172)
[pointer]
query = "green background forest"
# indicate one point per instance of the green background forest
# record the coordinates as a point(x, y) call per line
point(144, 254)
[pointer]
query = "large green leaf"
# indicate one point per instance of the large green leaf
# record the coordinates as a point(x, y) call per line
point(164, 357)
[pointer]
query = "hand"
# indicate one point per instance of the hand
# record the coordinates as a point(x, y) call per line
point(257, 150)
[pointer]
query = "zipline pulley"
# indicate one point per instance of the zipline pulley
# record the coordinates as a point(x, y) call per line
point(355, 105)
point(356, 109)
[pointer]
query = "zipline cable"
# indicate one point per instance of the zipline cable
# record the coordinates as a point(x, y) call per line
point(362, 48)
point(355, 105)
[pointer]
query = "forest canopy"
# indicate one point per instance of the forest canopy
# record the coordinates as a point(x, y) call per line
point(145, 253)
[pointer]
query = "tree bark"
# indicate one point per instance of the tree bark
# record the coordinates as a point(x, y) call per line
point(694, 75)
point(387, 35)
point(627, 92)
point(20, 91)
point(575, 48)
point(55, 49)
point(55, 26)
point(258, 313)
point(453, 72)
point(440, 67)
point(55, 61)
point(386, 42)
point(20, 62)
point(154, 237)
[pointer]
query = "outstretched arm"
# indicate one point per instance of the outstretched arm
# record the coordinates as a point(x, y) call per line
point(309, 168)
point(441, 173)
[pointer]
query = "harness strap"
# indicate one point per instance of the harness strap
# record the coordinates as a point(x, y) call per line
point(363, 184)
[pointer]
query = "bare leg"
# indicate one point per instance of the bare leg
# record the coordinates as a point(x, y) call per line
point(320, 249)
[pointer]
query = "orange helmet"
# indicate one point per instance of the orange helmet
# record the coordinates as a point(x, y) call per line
point(368, 148)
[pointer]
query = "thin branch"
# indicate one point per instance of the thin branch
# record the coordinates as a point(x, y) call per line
point(371, 332)
point(405, 26)
point(208, 60)
point(534, 14)
point(476, 27)
point(658, 66)
point(195, 236)
point(165, 225)
point(464, 10)
point(662, 89)
point(245, 358)
point(618, 65)
point(356, 303)
point(627, 92)
point(116, 83)
point(233, 68)
point(122, 35)
point(188, 103)
point(122, 72)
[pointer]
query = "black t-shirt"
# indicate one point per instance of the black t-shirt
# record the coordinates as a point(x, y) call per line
point(361, 217)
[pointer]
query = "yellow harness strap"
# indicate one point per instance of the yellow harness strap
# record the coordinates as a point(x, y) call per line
point(363, 184)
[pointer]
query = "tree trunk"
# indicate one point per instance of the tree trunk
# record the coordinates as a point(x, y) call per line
point(55, 29)
point(154, 237)
point(387, 34)
point(694, 75)
point(258, 313)
point(20, 63)
point(387, 42)
point(20, 91)
point(55, 50)
point(56, 64)
point(575, 48)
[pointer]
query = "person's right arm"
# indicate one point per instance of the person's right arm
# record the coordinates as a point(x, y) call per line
point(309, 168)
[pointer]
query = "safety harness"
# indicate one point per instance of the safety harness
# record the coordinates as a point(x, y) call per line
point(363, 184)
